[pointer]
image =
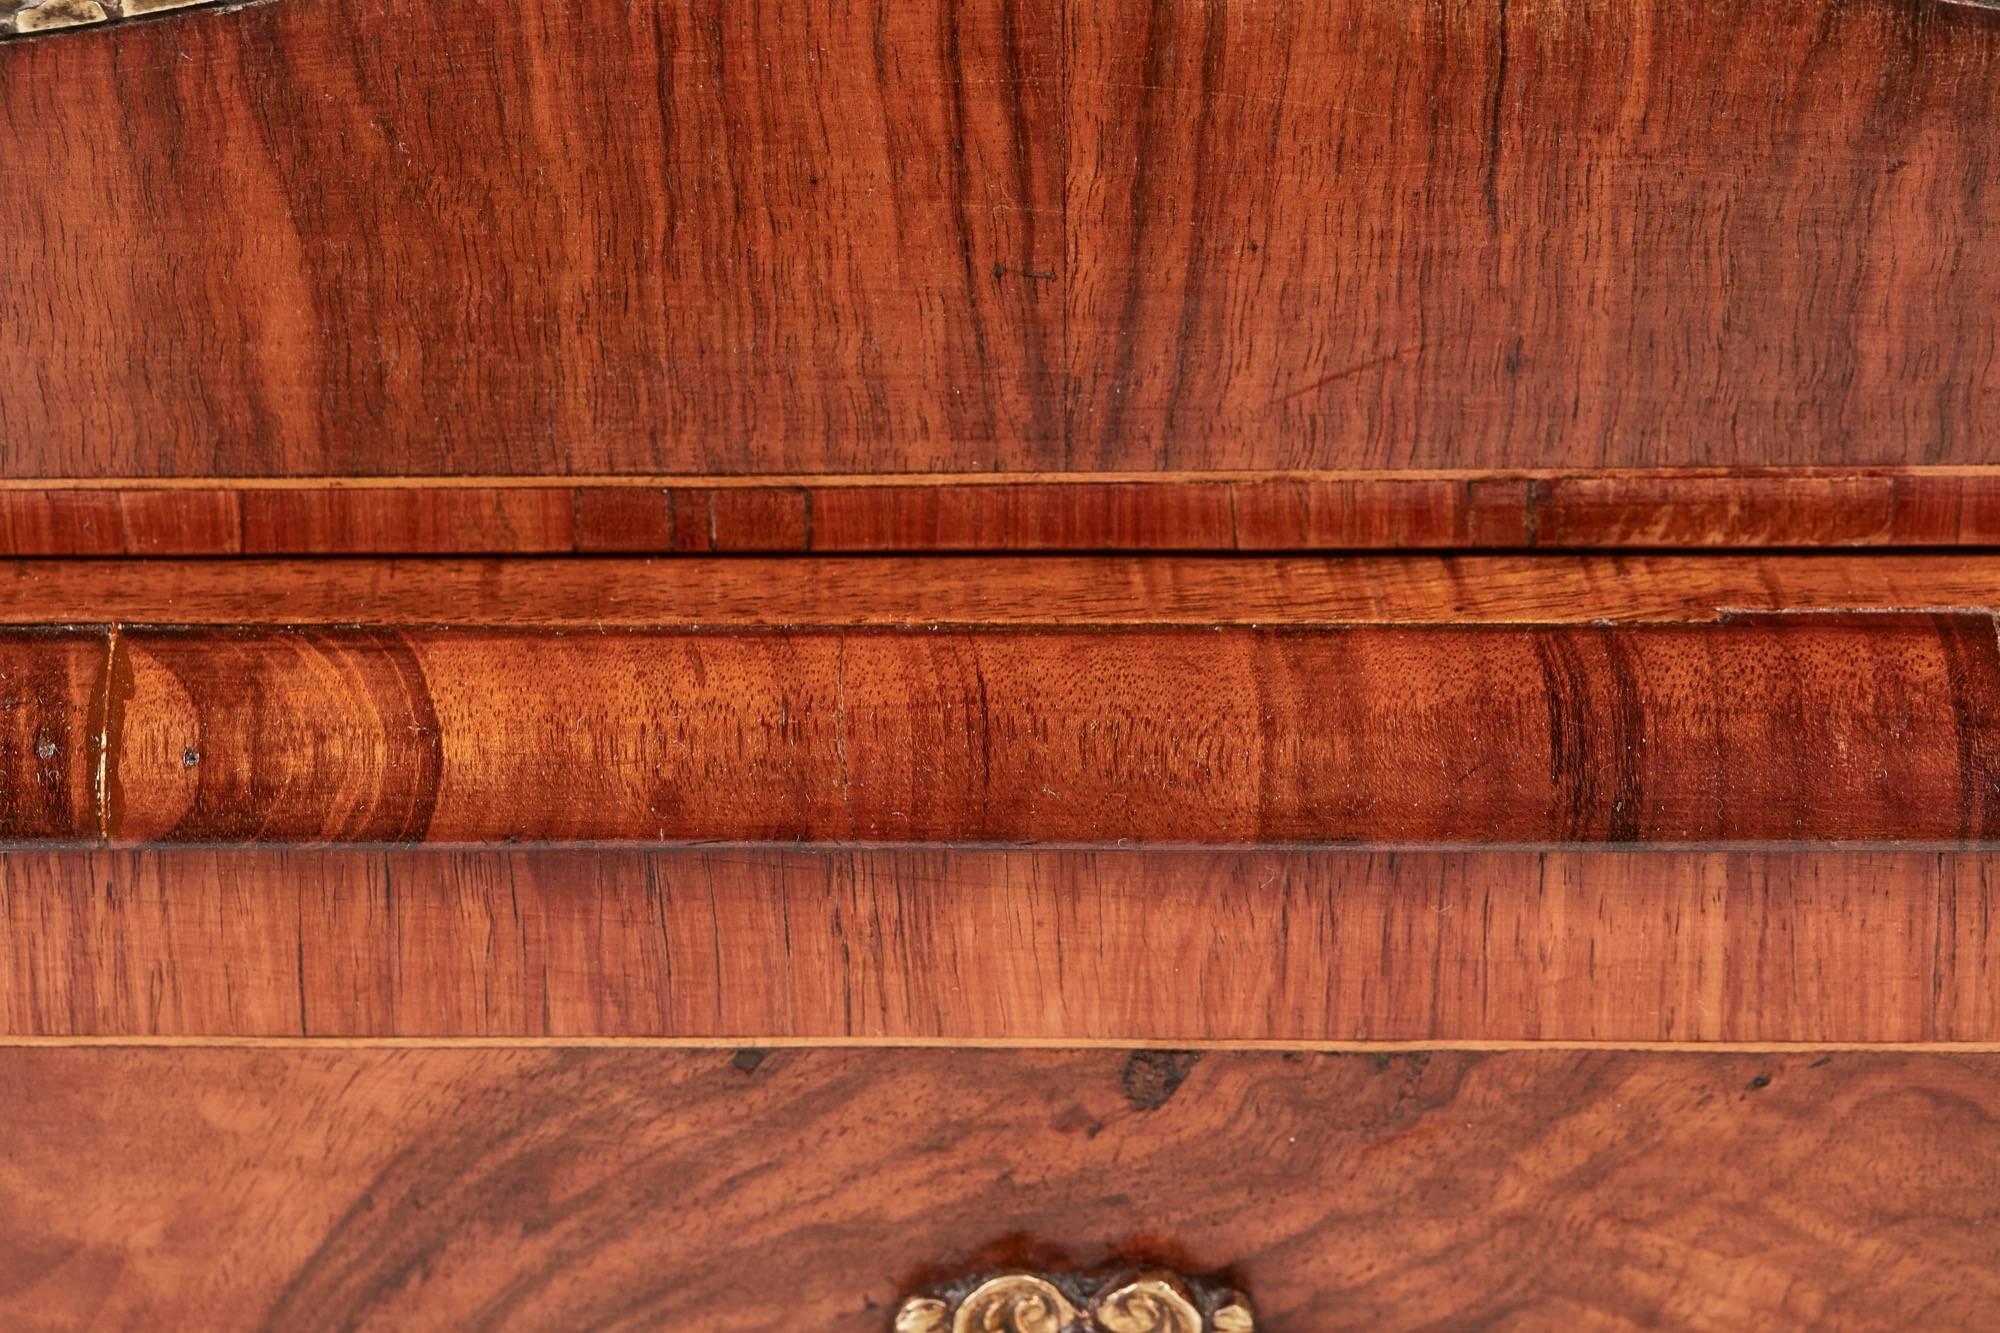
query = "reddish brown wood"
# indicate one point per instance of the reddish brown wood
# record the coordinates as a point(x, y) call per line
point(51, 733)
point(706, 243)
point(1007, 235)
point(994, 591)
point(1072, 512)
point(309, 1189)
point(1772, 729)
point(769, 947)
point(1623, 233)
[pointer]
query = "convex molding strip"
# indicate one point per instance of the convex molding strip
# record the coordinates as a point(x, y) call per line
point(1759, 730)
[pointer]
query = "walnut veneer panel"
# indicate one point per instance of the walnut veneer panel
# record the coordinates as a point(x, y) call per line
point(304, 1189)
point(398, 236)
point(953, 946)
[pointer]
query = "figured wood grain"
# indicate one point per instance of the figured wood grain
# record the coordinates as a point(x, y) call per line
point(1615, 233)
point(306, 1189)
point(995, 591)
point(1774, 729)
point(534, 237)
point(1616, 509)
point(1160, 948)
point(1006, 235)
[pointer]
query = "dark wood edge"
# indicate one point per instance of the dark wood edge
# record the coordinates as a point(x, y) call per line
point(1611, 510)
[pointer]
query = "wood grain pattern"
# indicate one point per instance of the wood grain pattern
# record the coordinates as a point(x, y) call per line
point(1756, 730)
point(1004, 235)
point(1620, 509)
point(1159, 948)
point(996, 591)
point(305, 1189)
point(725, 235)
point(1616, 233)
point(51, 733)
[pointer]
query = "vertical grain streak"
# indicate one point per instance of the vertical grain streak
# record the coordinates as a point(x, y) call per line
point(1495, 113)
point(109, 731)
point(1194, 280)
point(1971, 646)
point(1573, 734)
point(1138, 202)
point(960, 156)
point(1625, 727)
point(1046, 398)
point(840, 732)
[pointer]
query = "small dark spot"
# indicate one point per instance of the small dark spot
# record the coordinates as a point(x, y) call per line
point(46, 749)
point(999, 272)
point(1821, 1063)
point(190, 757)
point(1759, 1083)
point(812, 180)
point(747, 1059)
point(1381, 1060)
point(1515, 356)
point(1254, 247)
point(1152, 1077)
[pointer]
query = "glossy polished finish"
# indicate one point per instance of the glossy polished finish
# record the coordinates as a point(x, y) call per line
point(909, 945)
point(1004, 235)
point(1758, 730)
point(992, 592)
point(302, 1188)
point(1595, 510)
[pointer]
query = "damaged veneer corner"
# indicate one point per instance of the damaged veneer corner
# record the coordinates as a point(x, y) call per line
point(22, 17)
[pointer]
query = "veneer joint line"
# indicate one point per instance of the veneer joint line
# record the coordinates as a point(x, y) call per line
point(1269, 1046)
point(101, 785)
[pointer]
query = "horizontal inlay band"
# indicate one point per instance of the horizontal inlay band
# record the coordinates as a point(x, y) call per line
point(991, 591)
point(1185, 511)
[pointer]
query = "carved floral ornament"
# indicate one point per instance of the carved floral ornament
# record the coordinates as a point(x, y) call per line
point(1152, 1301)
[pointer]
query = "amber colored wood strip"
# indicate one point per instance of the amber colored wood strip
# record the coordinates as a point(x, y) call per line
point(1758, 730)
point(990, 591)
point(1685, 508)
point(1157, 948)
point(287, 1189)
